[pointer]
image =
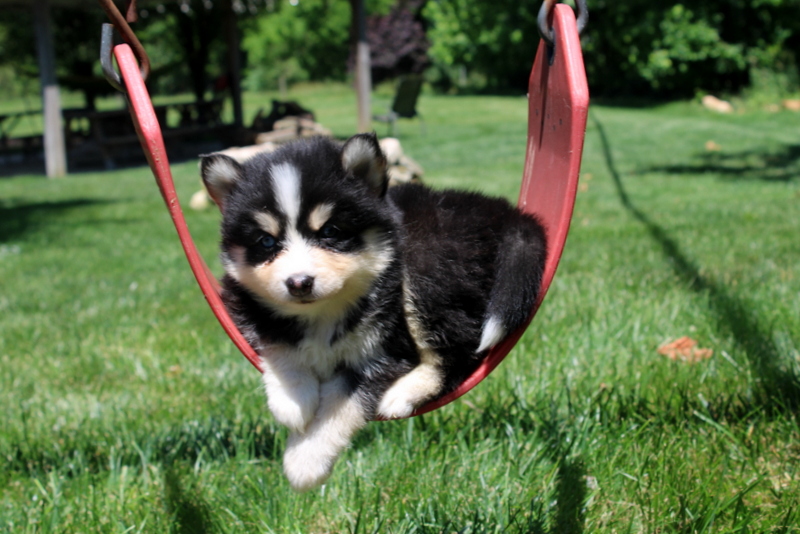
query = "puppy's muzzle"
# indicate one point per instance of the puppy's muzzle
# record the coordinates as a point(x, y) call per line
point(300, 285)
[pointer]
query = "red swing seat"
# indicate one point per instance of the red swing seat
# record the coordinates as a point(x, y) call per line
point(558, 107)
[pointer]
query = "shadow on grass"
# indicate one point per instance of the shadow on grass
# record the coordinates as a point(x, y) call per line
point(189, 512)
point(570, 481)
point(769, 166)
point(17, 220)
point(571, 496)
point(90, 449)
point(568, 514)
point(779, 387)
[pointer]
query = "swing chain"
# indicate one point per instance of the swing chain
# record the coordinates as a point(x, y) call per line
point(546, 31)
point(120, 23)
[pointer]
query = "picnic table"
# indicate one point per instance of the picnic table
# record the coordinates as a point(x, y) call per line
point(24, 144)
point(111, 132)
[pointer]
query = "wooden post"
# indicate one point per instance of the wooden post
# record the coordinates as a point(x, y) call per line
point(363, 72)
point(234, 61)
point(55, 152)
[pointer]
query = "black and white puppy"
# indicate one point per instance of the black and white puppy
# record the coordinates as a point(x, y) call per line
point(363, 301)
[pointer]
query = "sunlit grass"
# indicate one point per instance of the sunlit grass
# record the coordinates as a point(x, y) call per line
point(125, 409)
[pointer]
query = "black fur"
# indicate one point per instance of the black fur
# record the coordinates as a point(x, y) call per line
point(468, 256)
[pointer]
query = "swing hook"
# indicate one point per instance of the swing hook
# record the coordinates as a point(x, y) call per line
point(120, 23)
point(544, 13)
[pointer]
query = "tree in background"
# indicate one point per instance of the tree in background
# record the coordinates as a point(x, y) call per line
point(397, 41)
point(18, 68)
point(480, 43)
point(676, 49)
point(299, 40)
point(76, 54)
point(661, 48)
point(636, 47)
point(184, 43)
point(197, 27)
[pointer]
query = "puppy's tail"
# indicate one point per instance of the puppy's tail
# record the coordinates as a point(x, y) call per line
point(518, 277)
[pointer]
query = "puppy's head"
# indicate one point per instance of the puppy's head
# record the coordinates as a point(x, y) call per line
point(305, 229)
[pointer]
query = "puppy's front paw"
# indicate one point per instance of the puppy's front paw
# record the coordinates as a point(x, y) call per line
point(395, 404)
point(310, 456)
point(410, 391)
point(296, 416)
point(307, 463)
point(292, 393)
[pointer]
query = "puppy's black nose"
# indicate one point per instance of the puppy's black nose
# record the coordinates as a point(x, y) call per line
point(300, 285)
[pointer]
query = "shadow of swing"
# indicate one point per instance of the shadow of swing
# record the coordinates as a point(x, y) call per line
point(16, 220)
point(189, 512)
point(779, 387)
point(570, 499)
point(781, 165)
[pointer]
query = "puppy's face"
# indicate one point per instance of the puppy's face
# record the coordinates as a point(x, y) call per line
point(305, 229)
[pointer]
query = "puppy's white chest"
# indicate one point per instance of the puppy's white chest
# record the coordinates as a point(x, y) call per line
point(322, 351)
point(318, 356)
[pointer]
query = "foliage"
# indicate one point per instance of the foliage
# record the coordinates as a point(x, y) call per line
point(76, 36)
point(686, 45)
point(177, 37)
point(17, 42)
point(660, 47)
point(663, 48)
point(495, 39)
point(299, 40)
point(677, 49)
point(186, 45)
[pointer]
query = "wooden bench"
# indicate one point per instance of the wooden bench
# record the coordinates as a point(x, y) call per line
point(19, 147)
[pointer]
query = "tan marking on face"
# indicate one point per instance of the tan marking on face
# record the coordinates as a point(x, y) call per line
point(268, 223)
point(357, 271)
point(319, 216)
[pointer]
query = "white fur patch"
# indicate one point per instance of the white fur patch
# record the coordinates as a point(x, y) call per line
point(358, 152)
point(222, 171)
point(310, 456)
point(219, 176)
point(296, 258)
point(493, 333)
point(364, 159)
point(286, 181)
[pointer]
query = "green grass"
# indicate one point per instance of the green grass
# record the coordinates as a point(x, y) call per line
point(125, 409)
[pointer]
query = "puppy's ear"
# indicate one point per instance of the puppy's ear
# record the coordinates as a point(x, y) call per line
point(220, 173)
point(362, 156)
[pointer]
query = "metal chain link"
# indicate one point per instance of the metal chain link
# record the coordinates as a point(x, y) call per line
point(544, 14)
point(120, 23)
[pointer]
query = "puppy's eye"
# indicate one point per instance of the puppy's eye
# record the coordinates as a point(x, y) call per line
point(267, 241)
point(329, 231)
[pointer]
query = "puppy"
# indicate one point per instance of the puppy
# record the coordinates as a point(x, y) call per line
point(363, 301)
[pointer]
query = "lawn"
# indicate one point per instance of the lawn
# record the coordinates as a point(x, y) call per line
point(125, 408)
